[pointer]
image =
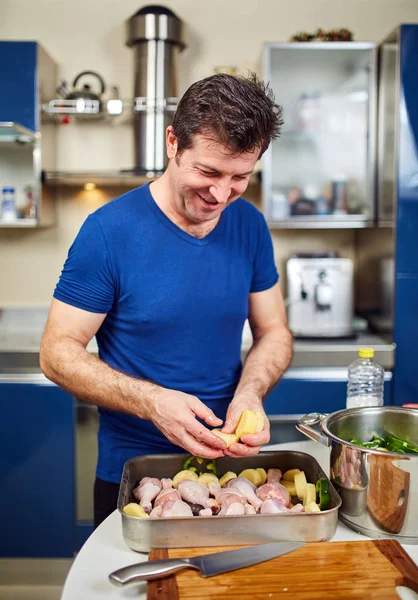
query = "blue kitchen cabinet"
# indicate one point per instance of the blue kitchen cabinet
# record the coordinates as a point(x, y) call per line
point(19, 96)
point(406, 335)
point(37, 505)
point(302, 391)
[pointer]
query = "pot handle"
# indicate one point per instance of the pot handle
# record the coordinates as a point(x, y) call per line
point(304, 425)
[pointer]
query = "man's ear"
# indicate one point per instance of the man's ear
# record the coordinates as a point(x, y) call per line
point(171, 142)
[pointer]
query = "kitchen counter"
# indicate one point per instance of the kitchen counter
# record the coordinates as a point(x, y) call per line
point(105, 550)
point(21, 332)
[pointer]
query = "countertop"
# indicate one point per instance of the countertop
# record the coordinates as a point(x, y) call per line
point(21, 332)
point(105, 550)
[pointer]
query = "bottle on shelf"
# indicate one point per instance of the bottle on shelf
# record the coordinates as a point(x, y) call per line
point(365, 380)
point(8, 206)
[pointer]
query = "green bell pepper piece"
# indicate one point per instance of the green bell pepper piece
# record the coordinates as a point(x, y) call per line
point(322, 493)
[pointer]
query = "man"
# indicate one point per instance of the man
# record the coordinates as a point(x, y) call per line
point(165, 277)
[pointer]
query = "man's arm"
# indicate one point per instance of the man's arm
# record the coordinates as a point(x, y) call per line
point(267, 360)
point(65, 360)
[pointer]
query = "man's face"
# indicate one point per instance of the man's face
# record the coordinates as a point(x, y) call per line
point(207, 178)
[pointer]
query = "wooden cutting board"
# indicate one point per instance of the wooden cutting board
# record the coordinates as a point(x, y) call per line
point(322, 570)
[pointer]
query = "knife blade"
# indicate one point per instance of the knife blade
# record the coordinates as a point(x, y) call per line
point(207, 564)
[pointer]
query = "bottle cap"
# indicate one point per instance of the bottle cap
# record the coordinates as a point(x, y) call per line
point(366, 353)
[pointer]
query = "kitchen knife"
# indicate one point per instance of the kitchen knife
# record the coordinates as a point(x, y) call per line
point(207, 564)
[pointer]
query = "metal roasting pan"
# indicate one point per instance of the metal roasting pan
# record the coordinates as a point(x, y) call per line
point(228, 530)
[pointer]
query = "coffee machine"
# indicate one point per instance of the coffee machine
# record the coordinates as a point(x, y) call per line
point(320, 295)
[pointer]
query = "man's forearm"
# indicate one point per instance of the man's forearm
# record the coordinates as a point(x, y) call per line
point(87, 377)
point(267, 360)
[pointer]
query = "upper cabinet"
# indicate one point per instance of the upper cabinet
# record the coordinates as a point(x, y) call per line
point(27, 145)
point(321, 171)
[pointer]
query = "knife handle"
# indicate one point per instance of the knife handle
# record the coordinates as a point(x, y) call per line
point(151, 569)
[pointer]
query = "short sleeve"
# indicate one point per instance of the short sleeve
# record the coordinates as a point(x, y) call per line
point(87, 280)
point(265, 273)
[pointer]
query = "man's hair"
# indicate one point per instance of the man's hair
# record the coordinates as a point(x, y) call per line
point(238, 112)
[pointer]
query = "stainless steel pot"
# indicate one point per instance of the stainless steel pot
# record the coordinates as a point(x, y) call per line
point(379, 490)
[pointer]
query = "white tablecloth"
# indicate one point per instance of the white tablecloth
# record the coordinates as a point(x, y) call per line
point(105, 550)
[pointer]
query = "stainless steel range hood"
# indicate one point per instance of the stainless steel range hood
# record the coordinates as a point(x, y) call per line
point(156, 35)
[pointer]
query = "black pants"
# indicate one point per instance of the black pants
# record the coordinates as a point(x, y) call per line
point(105, 500)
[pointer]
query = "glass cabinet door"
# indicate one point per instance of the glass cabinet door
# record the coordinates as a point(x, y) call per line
point(19, 175)
point(320, 172)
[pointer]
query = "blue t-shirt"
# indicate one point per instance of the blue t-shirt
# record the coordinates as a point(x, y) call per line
point(175, 306)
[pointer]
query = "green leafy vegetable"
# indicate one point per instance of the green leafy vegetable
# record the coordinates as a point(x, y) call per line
point(389, 442)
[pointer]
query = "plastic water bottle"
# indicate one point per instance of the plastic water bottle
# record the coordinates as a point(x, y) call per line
point(8, 208)
point(365, 381)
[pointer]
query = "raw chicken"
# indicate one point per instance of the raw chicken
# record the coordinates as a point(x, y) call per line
point(213, 505)
point(246, 489)
point(166, 482)
point(226, 498)
point(165, 495)
point(250, 510)
point(298, 508)
point(147, 490)
point(235, 508)
point(215, 488)
point(274, 475)
point(194, 492)
point(273, 506)
point(205, 512)
point(176, 508)
point(273, 490)
point(156, 512)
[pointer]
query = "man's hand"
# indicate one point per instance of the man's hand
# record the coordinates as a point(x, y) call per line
point(174, 413)
point(249, 444)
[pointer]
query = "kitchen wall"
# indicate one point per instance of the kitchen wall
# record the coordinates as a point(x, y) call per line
point(83, 35)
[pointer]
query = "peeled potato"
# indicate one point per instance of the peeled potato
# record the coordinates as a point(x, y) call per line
point(250, 422)
point(312, 507)
point(227, 477)
point(290, 475)
point(252, 475)
point(263, 475)
point(135, 510)
point(184, 476)
point(207, 478)
point(310, 494)
point(290, 486)
point(300, 484)
point(229, 438)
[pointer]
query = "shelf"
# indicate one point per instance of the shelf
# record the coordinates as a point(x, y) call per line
point(13, 132)
point(19, 223)
point(322, 222)
point(99, 178)
point(107, 178)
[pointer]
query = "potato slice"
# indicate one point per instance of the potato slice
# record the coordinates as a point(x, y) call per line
point(250, 422)
point(207, 478)
point(252, 475)
point(310, 494)
point(312, 507)
point(227, 477)
point(184, 476)
point(290, 486)
point(290, 475)
point(263, 475)
point(229, 438)
point(300, 485)
point(135, 510)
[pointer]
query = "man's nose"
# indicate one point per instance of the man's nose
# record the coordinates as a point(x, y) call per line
point(221, 192)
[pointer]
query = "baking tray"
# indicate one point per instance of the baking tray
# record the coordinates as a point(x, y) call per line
point(225, 530)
